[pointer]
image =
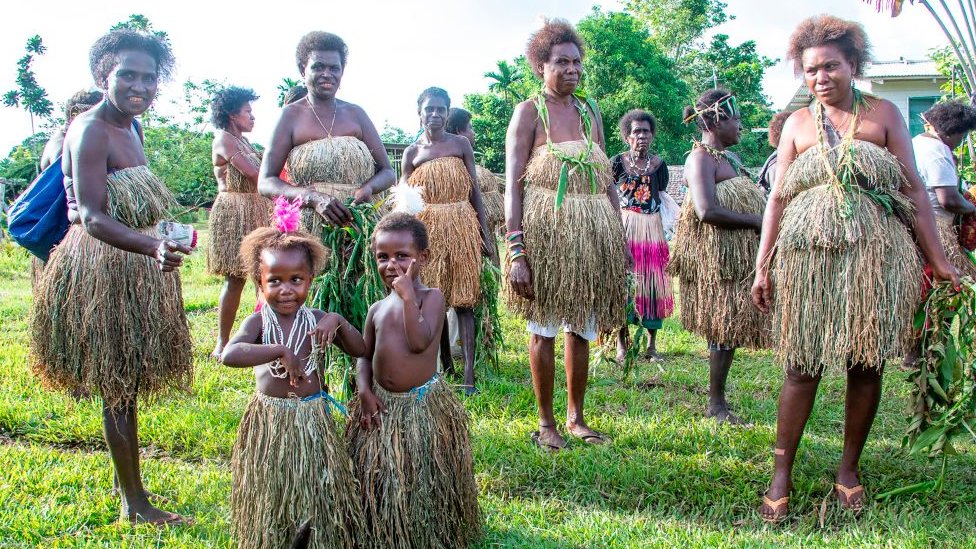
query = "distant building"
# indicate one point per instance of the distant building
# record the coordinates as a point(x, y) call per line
point(913, 86)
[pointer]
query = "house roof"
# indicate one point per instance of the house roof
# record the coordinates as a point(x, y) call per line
point(902, 69)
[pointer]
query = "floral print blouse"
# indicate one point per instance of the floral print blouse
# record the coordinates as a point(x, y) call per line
point(639, 193)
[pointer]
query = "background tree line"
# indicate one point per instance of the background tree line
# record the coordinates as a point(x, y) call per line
point(654, 56)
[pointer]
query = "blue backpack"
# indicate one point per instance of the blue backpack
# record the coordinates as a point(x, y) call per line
point(38, 219)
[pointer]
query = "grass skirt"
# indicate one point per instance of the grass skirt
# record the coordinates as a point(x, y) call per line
point(492, 197)
point(289, 464)
point(108, 321)
point(416, 472)
point(233, 216)
point(576, 253)
point(645, 238)
point(949, 236)
point(847, 274)
point(452, 224)
point(715, 269)
point(336, 165)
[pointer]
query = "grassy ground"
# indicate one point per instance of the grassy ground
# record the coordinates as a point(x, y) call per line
point(669, 478)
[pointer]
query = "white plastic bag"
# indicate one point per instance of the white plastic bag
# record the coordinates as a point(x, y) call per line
point(669, 214)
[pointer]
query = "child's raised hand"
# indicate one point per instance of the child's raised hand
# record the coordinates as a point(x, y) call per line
point(370, 407)
point(326, 329)
point(403, 283)
point(293, 367)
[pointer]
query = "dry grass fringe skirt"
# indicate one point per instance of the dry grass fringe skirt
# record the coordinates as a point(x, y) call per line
point(109, 321)
point(715, 269)
point(289, 464)
point(576, 255)
point(653, 298)
point(491, 196)
point(847, 283)
point(233, 216)
point(416, 471)
point(949, 236)
point(453, 228)
point(455, 252)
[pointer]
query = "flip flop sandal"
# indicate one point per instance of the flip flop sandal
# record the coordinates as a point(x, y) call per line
point(848, 494)
point(536, 437)
point(775, 506)
point(593, 439)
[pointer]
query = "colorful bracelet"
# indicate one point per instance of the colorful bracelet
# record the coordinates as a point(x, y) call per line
point(512, 235)
point(516, 255)
point(512, 245)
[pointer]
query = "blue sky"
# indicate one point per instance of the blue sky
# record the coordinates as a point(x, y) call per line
point(397, 48)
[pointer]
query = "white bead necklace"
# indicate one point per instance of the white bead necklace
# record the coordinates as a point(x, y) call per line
point(271, 334)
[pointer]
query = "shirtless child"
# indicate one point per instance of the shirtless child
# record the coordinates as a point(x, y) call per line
point(289, 463)
point(407, 432)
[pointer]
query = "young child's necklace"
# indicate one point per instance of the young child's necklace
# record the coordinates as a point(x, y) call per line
point(271, 334)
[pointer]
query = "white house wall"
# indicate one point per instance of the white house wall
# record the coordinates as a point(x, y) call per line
point(898, 91)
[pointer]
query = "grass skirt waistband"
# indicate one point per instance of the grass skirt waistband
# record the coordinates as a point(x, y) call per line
point(233, 216)
point(576, 255)
point(416, 471)
point(109, 321)
point(289, 464)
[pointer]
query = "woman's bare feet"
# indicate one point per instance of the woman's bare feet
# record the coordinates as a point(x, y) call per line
point(721, 414)
point(147, 513)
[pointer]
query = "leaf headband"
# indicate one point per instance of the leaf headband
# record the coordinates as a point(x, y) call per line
point(725, 106)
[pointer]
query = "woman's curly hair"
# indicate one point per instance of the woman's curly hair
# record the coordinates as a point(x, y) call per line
point(80, 102)
point(227, 102)
point(554, 31)
point(319, 41)
point(103, 55)
point(636, 115)
point(820, 30)
point(270, 238)
point(431, 92)
point(951, 118)
point(776, 127)
point(457, 120)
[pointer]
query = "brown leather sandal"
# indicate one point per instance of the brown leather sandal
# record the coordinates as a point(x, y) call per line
point(775, 506)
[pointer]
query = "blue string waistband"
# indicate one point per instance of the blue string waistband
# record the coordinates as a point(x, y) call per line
point(329, 398)
point(422, 390)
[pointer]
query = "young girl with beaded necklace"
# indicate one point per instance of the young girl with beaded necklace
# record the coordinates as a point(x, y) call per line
point(289, 463)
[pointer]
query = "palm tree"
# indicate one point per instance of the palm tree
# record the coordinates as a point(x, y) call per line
point(505, 78)
point(963, 43)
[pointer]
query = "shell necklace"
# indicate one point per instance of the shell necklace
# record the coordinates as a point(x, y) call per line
point(271, 334)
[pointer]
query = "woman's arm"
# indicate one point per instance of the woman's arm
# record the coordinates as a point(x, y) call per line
point(953, 201)
point(385, 177)
point(406, 163)
point(518, 147)
point(762, 288)
point(899, 143)
point(700, 174)
point(88, 152)
point(474, 196)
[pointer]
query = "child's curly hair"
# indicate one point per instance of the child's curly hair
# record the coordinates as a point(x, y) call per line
point(270, 238)
point(401, 221)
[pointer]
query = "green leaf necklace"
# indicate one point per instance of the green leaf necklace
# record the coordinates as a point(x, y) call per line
point(571, 163)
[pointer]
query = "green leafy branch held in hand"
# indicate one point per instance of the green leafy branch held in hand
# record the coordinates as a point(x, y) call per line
point(349, 285)
point(944, 392)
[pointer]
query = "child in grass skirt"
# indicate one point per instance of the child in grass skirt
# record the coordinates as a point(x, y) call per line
point(407, 431)
point(289, 463)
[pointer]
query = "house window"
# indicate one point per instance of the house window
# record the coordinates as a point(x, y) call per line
point(916, 106)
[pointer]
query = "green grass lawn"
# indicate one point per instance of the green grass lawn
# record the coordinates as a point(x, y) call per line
point(669, 478)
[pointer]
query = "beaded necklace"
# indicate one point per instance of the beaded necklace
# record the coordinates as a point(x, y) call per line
point(582, 160)
point(718, 155)
point(271, 334)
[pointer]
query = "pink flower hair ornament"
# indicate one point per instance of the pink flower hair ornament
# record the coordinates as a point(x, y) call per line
point(287, 214)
